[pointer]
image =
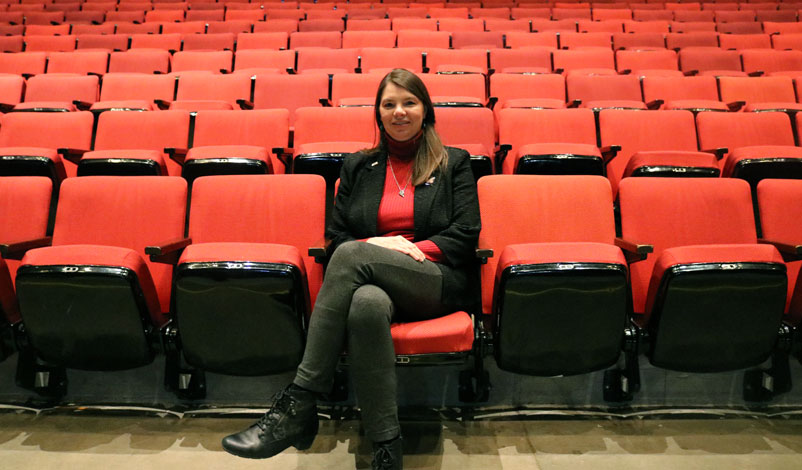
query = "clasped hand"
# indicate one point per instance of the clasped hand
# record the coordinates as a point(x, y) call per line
point(400, 244)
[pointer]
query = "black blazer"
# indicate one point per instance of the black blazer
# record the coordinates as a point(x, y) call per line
point(446, 212)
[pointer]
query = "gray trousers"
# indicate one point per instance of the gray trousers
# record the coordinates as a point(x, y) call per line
point(365, 288)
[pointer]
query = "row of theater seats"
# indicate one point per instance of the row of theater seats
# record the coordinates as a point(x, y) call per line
point(617, 143)
point(207, 41)
point(528, 60)
point(178, 12)
point(120, 280)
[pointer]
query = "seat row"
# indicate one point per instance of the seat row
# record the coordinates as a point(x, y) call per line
point(539, 59)
point(120, 280)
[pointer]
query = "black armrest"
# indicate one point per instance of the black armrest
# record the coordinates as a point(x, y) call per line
point(72, 155)
point(245, 104)
point(573, 104)
point(82, 105)
point(501, 155)
point(736, 105)
point(633, 252)
point(625, 72)
point(177, 155)
point(483, 254)
point(17, 249)
point(690, 73)
point(325, 102)
point(290, 71)
point(6, 107)
point(654, 104)
point(558, 70)
point(285, 156)
point(162, 104)
point(609, 152)
point(491, 102)
point(718, 152)
point(789, 252)
point(168, 251)
point(756, 73)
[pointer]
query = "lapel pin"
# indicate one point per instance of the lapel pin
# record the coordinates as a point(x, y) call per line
point(374, 163)
point(430, 181)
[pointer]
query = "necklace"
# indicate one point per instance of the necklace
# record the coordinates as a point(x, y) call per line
point(392, 172)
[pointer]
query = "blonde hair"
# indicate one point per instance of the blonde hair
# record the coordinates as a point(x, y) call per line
point(431, 153)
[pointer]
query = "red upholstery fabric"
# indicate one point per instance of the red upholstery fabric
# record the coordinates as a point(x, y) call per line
point(734, 130)
point(253, 252)
point(127, 212)
point(758, 152)
point(124, 105)
point(24, 209)
point(64, 130)
point(672, 212)
point(518, 127)
point(64, 106)
point(672, 159)
point(779, 202)
point(540, 209)
point(638, 131)
point(249, 152)
point(546, 103)
point(151, 155)
point(334, 125)
point(96, 255)
point(144, 131)
point(275, 209)
point(688, 255)
point(448, 334)
point(328, 147)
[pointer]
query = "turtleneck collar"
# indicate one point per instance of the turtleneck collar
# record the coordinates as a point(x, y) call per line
point(403, 150)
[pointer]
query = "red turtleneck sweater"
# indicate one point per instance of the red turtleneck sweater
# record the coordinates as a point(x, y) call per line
point(396, 213)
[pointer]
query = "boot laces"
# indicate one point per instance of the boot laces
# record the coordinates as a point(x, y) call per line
point(281, 406)
point(383, 458)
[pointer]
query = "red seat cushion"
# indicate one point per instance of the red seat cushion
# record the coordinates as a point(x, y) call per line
point(615, 104)
point(670, 158)
point(249, 152)
point(537, 103)
point(199, 105)
point(65, 105)
point(700, 254)
point(152, 155)
point(566, 252)
point(99, 255)
point(451, 333)
point(695, 104)
point(758, 152)
point(242, 252)
point(331, 147)
point(124, 105)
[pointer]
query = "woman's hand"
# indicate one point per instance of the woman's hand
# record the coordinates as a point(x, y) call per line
point(400, 244)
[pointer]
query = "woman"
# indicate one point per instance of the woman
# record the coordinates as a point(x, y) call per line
point(402, 239)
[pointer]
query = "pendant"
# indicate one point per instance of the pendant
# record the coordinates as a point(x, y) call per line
point(401, 193)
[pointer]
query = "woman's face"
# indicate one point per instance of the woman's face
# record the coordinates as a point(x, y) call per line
point(401, 113)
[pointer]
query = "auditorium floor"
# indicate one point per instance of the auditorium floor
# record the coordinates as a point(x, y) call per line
point(73, 441)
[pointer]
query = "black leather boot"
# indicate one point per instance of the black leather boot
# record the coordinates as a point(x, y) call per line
point(388, 455)
point(291, 421)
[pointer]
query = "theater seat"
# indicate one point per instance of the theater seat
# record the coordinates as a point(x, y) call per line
point(555, 289)
point(92, 300)
point(710, 299)
point(245, 285)
point(24, 209)
point(237, 142)
point(779, 201)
